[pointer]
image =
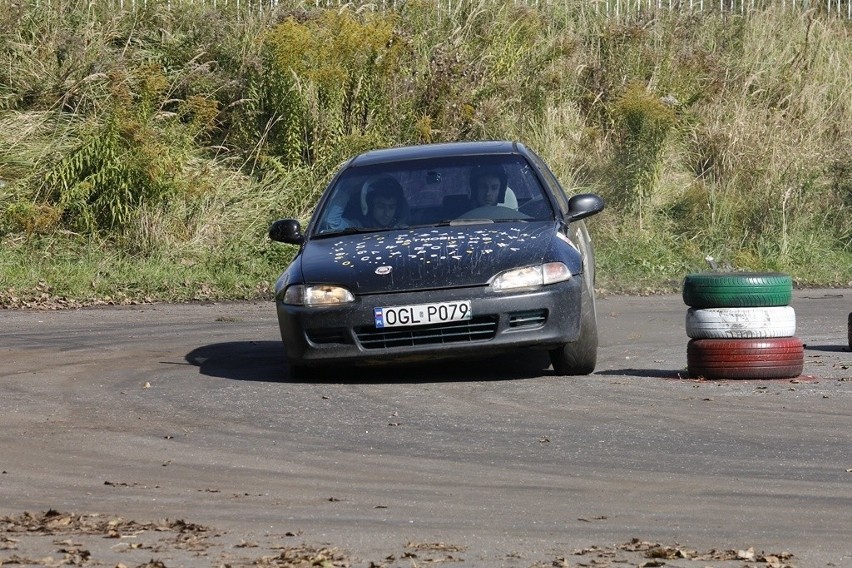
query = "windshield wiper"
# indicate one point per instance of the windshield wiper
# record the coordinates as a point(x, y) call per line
point(347, 231)
point(444, 223)
point(458, 222)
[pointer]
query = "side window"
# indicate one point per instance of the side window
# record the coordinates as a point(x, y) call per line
point(552, 183)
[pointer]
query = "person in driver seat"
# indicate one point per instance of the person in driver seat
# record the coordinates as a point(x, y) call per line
point(488, 187)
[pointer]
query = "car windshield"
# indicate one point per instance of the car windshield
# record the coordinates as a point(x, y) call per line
point(458, 190)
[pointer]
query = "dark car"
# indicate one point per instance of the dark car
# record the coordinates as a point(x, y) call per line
point(440, 250)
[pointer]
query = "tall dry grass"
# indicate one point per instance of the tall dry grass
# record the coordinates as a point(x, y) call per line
point(167, 138)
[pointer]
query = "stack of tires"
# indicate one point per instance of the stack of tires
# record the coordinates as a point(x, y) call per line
point(741, 326)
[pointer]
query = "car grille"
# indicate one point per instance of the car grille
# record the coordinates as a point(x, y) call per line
point(326, 336)
point(532, 318)
point(477, 329)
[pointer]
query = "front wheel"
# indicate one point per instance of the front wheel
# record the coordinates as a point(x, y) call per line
point(580, 357)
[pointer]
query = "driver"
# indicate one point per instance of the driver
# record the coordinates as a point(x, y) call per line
point(488, 188)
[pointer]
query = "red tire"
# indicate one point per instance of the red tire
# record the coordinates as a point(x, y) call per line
point(773, 358)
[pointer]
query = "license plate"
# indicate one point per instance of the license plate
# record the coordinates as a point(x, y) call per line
point(422, 314)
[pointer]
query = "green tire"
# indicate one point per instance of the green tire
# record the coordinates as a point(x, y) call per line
point(737, 289)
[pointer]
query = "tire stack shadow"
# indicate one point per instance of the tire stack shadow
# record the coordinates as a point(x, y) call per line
point(741, 326)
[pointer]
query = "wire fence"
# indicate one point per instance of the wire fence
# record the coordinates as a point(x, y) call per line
point(611, 8)
point(841, 8)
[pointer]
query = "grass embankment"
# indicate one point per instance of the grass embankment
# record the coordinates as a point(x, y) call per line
point(143, 154)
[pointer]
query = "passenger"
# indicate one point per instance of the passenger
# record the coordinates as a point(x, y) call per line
point(383, 202)
point(382, 205)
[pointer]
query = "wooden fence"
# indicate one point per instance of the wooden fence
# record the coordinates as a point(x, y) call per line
point(612, 8)
point(841, 8)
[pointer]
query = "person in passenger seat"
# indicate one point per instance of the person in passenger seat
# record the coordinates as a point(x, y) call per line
point(382, 205)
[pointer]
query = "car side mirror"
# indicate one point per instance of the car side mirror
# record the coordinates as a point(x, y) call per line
point(584, 205)
point(287, 231)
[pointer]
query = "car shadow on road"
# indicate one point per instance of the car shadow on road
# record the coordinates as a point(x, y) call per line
point(265, 361)
point(240, 360)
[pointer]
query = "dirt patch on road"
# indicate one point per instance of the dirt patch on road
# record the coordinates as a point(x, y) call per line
point(57, 539)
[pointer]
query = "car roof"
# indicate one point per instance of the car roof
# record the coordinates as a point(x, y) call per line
point(448, 149)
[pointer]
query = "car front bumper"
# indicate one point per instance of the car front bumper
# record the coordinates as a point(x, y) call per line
point(543, 318)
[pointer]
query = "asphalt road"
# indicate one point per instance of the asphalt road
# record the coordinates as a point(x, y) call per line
point(117, 422)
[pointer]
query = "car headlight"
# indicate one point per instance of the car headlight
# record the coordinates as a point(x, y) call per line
point(320, 295)
point(531, 276)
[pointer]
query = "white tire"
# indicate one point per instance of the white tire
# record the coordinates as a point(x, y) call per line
point(740, 323)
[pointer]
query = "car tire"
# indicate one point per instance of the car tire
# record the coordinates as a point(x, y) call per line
point(773, 358)
point(740, 323)
point(581, 356)
point(849, 331)
point(737, 289)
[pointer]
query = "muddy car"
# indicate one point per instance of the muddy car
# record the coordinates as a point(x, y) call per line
point(455, 250)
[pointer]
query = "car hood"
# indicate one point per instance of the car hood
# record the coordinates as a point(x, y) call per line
point(419, 259)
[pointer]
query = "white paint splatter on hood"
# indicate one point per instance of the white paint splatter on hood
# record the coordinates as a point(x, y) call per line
point(417, 259)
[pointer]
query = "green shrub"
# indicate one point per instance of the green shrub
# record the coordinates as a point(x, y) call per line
point(642, 123)
point(120, 162)
point(326, 77)
point(29, 218)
